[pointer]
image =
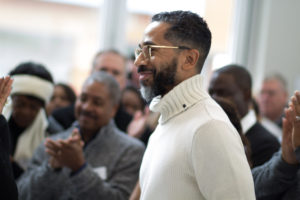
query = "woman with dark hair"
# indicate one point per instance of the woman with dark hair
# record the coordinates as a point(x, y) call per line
point(63, 96)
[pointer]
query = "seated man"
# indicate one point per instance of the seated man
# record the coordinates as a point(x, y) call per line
point(114, 64)
point(95, 161)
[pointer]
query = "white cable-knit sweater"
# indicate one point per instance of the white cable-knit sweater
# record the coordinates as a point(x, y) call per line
point(194, 153)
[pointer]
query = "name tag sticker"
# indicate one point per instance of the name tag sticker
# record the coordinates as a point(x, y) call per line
point(102, 172)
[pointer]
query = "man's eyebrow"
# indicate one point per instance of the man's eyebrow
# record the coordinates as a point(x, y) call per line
point(148, 43)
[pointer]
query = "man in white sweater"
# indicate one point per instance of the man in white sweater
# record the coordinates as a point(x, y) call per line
point(194, 153)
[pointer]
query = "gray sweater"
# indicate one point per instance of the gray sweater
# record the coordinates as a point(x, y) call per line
point(113, 162)
point(277, 180)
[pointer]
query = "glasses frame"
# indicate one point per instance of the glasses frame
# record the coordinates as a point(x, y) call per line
point(140, 50)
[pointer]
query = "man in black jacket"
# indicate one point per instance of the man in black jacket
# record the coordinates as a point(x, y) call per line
point(234, 82)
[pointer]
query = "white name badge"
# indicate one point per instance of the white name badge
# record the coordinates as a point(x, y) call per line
point(102, 172)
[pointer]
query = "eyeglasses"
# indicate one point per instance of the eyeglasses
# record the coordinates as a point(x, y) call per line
point(147, 49)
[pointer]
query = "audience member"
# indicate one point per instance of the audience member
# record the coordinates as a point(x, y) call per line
point(62, 96)
point(113, 63)
point(234, 82)
point(28, 125)
point(192, 128)
point(132, 100)
point(95, 161)
point(144, 122)
point(272, 100)
point(132, 74)
point(279, 178)
point(7, 184)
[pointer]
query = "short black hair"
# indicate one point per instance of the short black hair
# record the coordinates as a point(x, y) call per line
point(240, 74)
point(34, 69)
point(188, 29)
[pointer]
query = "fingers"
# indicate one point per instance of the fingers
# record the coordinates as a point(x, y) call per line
point(52, 147)
point(294, 105)
point(5, 89)
point(287, 125)
point(75, 132)
point(5, 85)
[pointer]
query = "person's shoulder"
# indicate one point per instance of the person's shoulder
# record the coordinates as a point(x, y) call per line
point(123, 139)
point(259, 131)
point(208, 110)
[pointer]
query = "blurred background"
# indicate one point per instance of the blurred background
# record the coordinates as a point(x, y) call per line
point(64, 35)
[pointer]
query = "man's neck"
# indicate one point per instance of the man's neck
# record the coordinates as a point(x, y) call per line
point(87, 135)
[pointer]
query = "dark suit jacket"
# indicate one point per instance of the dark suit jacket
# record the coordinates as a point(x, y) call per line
point(8, 188)
point(263, 144)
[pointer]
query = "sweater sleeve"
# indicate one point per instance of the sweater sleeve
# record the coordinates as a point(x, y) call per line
point(39, 181)
point(220, 164)
point(275, 173)
point(87, 184)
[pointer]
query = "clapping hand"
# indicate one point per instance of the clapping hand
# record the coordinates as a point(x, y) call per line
point(295, 106)
point(66, 153)
point(5, 89)
point(291, 130)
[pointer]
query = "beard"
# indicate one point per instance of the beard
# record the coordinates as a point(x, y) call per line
point(163, 80)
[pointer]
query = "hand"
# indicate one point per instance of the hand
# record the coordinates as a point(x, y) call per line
point(67, 153)
point(295, 106)
point(138, 124)
point(5, 89)
point(52, 148)
point(287, 147)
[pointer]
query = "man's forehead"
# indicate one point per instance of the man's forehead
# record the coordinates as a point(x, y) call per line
point(155, 32)
point(94, 87)
point(111, 60)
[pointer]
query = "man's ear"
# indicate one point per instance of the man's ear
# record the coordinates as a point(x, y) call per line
point(191, 59)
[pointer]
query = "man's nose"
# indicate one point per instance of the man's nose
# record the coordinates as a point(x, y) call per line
point(140, 60)
point(87, 106)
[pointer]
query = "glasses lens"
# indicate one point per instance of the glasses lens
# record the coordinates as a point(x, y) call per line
point(137, 52)
point(146, 50)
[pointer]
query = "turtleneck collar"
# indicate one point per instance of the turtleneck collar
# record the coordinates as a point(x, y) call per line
point(180, 98)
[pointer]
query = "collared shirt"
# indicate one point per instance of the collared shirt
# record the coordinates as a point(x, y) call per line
point(248, 121)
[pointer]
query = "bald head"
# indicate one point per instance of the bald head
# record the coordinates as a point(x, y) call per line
point(234, 83)
point(113, 63)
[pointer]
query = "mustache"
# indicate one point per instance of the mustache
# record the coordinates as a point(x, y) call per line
point(143, 68)
point(87, 114)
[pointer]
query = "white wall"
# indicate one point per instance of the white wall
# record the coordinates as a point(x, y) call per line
point(275, 41)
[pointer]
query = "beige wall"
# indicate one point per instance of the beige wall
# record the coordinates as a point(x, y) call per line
point(76, 28)
point(65, 38)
